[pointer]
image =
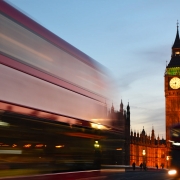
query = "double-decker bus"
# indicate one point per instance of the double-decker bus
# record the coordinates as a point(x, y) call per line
point(174, 169)
point(53, 103)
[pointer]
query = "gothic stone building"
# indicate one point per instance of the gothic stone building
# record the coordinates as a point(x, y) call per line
point(157, 151)
point(136, 148)
point(147, 149)
point(121, 120)
point(139, 147)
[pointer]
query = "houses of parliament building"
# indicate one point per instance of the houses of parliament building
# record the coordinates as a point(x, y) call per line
point(152, 149)
point(139, 147)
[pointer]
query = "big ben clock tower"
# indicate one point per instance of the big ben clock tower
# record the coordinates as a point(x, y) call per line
point(172, 87)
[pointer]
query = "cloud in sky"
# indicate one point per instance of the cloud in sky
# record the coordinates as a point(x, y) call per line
point(149, 120)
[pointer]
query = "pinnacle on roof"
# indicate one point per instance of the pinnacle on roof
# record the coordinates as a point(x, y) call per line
point(177, 40)
point(121, 106)
point(112, 108)
point(158, 137)
point(128, 107)
point(121, 101)
point(143, 131)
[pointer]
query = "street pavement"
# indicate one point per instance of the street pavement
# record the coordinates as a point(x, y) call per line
point(139, 175)
point(118, 174)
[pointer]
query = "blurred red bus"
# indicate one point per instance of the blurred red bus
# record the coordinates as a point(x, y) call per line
point(53, 111)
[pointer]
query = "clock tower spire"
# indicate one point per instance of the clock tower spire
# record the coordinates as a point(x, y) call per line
point(175, 56)
point(172, 86)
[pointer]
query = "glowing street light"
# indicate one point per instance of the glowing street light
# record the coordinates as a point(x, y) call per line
point(96, 145)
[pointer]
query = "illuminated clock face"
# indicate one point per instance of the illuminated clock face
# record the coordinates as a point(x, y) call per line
point(174, 83)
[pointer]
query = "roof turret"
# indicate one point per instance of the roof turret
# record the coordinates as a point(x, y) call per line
point(128, 107)
point(112, 108)
point(143, 131)
point(121, 107)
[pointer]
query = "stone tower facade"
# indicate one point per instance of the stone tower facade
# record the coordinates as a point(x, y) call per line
point(172, 87)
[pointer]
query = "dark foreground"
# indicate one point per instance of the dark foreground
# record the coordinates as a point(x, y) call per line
point(116, 174)
point(104, 174)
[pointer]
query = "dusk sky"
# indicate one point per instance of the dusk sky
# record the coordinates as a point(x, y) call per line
point(132, 38)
